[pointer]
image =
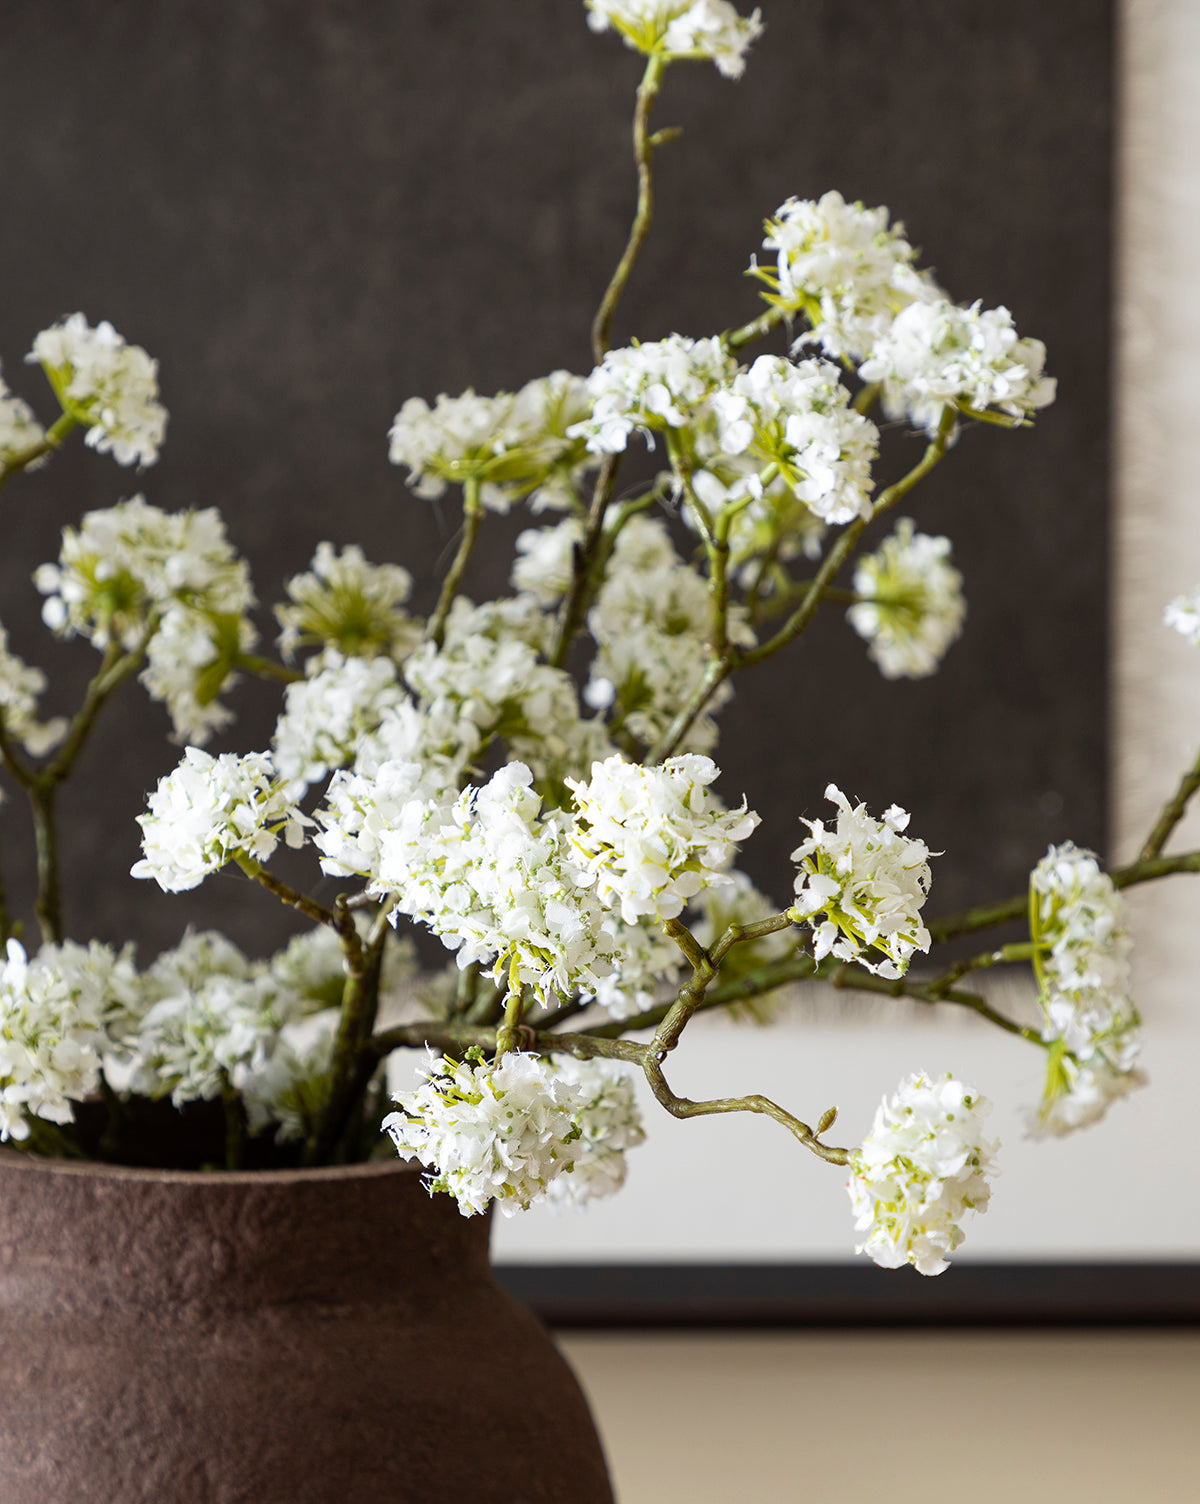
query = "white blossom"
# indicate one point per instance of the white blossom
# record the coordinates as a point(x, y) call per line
point(328, 713)
point(921, 1168)
point(489, 1132)
point(344, 602)
point(935, 355)
point(1183, 613)
point(210, 811)
point(545, 562)
point(489, 672)
point(127, 564)
point(54, 1011)
point(912, 605)
point(360, 808)
point(711, 29)
point(869, 880)
point(650, 623)
point(1083, 961)
point(188, 664)
point(1080, 1093)
point(652, 838)
point(290, 1086)
point(107, 385)
point(844, 267)
point(495, 878)
point(648, 388)
point(20, 431)
point(645, 962)
point(609, 1123)
point(20, 687)
point(798, 416)
point(513, 444)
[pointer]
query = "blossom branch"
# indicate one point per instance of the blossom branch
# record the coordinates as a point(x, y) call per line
point(684, 1107)
point(746, 334)
point(857, 980)
point(735, 660)
point(52, 440)
point(472, 516)
point(1172, 813)
point(990, 916)
point(587, 559)
point(643, 151)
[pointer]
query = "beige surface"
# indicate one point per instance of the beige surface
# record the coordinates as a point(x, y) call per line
point(896, 1419)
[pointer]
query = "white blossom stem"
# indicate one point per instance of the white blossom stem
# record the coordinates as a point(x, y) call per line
point(643, 151)
point(472, 516)
point(1173, 812)
point(51, 440)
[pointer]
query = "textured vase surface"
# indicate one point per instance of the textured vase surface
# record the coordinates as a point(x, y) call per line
point(275, 1337)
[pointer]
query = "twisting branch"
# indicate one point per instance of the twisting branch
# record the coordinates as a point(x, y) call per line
point(683, 1107)
point(858, 980)
point(643, 152)
point(1172, 813)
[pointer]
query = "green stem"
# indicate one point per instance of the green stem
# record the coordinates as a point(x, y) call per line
point(683, 1107)
point(472, 515)
point(589, 556)
point(734, 339)
point(340, 921)
point(54, 437)
point(990, 916)
point(267, 668)
point(643, 152)
point(735, 660)
point(48, 905)
point(856, 979)
point(235, 1128)
point(1172, 813)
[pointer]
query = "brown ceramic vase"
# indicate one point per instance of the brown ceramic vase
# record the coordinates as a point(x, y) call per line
point(270, 1337)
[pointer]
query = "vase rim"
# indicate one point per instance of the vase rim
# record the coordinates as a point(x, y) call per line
point(96, 1169)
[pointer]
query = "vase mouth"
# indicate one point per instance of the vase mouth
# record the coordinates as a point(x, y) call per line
point(95, 1169)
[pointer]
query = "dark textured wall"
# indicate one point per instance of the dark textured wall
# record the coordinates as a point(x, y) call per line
point(310, 211)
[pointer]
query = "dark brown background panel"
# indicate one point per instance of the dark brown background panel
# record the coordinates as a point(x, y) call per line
point(310, 211)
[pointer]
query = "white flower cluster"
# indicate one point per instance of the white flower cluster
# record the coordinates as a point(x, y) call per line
point(1183, 613)
point(327, 715)
point(845, 267)
point(344, 602)
point(651, 839)
point(131, 562)
point(545, 560)
point(710, 29)
point(1083, 961)
point(650, 623)
point(20, 431)
point(912, 605)
point(923, 1165)
point(106, 384)
point(213, 810)
point(53, 1014)
point(663, 384)
point(133, 574)
point(798, 417)
point(507, 1132)
point(515, 443)
point(486, 871)
point(20, 687)
point(207, 1018)
point(936, 355)
point(870, 881)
